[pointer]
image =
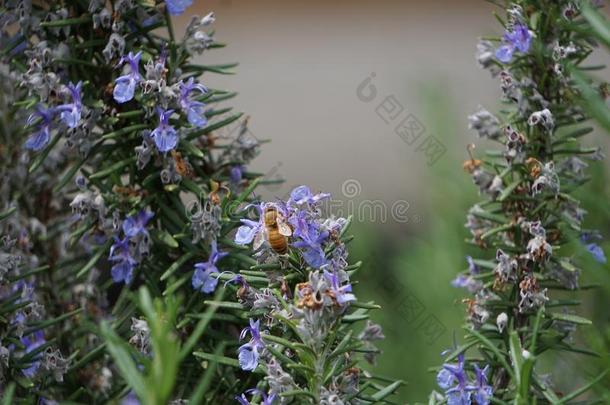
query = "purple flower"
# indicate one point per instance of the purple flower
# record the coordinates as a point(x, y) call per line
point(597, 252)
point(472, 267)
point(204, 279)
point(193, 109)
point(587, 238)
point(177, 7)
point(481, 389)
point(124, 263)
point(452, 378)
point(236, 174)
point(267, 400)
point(136, 224)
point(125, 86)
point(70, 113)
point(249, 353)
point(303, 195)
point(251, 230)
point(343, 293)
point(165, 136)
point(248, 231)
point(519, 39)
point(467, 281)
point(40, 138)
point(31, 343)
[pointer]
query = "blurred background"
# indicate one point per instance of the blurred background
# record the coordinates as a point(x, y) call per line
point(329, 83)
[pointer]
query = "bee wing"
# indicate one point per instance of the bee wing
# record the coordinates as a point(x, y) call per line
point(284, 228)
point(259, 239)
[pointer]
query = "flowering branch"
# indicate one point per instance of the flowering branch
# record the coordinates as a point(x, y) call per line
point(529, 220)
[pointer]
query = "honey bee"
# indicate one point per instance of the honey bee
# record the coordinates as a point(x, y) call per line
point(276, 230)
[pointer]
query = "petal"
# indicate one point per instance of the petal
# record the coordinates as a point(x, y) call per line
point(248, 357)
point(505, 53)
point(301, 194)
point(130, 227)
point(196, 116)
point(198, 279)
point(314, 257)
point(177, 7)
point(244, 235)
point(122, 272)
point(124, 90)
point(165, 138)
point(38, 140)
point(444, 379)
point(210, 282)
point(71, 117)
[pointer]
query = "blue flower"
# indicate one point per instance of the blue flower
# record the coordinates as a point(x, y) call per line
point(303, 195)
point(587, 238)
point(177, 7)
point(251, 230)
point(31, 343)
point(136, 224)
point(481, 389)
point(519, 39)
point(70, 113)
point(165, 136)
point(467, 281)
point(124, 263)
point(452, 378)
point(249, 353)
point(204, 279)
point(40, 138)
point(342, 293)
point(125, 86)
point(194, 110)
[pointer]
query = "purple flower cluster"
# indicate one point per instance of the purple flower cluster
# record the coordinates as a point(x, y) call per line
point(301, 215)
point(459, 390)
point(126, 253)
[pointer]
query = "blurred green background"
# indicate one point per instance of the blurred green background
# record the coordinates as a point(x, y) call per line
point(301, 64)
point(421, 265)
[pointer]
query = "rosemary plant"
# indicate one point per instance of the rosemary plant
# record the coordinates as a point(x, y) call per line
point(134, 251)
point(529, 225)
